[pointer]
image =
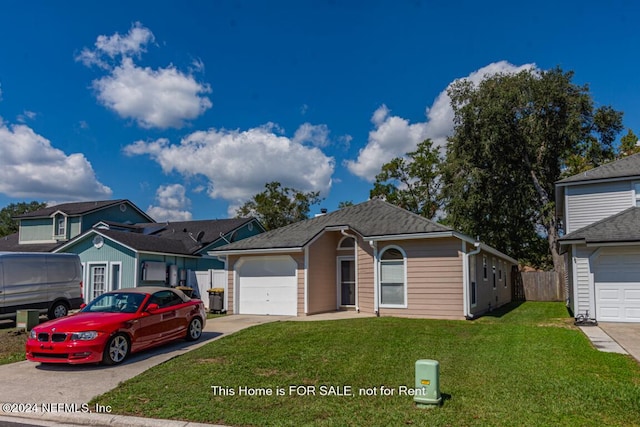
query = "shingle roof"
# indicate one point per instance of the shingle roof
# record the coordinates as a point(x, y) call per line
point(625, 167)
point(10, 244)
point(621, 227)
point(180, 238)
point(75, 208)
point(369, 219)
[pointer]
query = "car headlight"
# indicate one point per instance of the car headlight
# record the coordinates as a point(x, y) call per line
point(84, 336)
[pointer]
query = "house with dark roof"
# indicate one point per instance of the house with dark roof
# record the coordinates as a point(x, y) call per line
point(600, 211)
point(373, 257)
point(45, 229)
point(171, 253)
point(122, 247)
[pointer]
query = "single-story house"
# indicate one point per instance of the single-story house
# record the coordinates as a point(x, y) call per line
point(373, 257)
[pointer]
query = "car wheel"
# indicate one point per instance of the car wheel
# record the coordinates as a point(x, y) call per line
point(116, 350)
point(58, 309)
point(195, 329)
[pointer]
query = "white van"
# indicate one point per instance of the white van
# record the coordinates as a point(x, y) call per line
point(51, 283)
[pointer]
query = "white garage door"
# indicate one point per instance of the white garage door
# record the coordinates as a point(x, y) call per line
point(267, 285)
point(617, 286)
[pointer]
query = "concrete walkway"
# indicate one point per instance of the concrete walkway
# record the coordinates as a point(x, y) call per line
point(622, 338)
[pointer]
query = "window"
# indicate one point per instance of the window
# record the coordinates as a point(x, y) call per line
point(347, 243)
point(473, 280)
point(485, 273)
point(60, 225)
point(115, 276)
point(500, 271)
point(493, 271)
point(636, 192)
point(98, 281)
point(392, 278)
point(165, 299)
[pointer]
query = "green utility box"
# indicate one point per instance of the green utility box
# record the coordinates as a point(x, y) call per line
point(427, 391)
point(27, 319)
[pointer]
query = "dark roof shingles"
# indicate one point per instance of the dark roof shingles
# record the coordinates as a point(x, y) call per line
point(625, 167)
point(621, 227)
point(371, 218)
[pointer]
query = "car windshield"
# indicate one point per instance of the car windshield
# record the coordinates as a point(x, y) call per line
point(115, 303)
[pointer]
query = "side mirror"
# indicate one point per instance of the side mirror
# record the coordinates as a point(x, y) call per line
point(152, 307)
point(83, 305)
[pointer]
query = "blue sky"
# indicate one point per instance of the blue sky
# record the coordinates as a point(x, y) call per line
point(187, 108)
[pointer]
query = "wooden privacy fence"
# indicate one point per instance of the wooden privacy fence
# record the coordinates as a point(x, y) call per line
point(538, 286)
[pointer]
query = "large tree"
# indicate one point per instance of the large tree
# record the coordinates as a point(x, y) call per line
point(278, 206)
point(412, 182)
point(7, 224)
point(514, 134)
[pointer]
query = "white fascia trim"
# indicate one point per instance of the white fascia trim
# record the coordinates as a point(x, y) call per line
point(599, 181)
point(27, 242)
point(572, 242)
point(604, 244)
point(255, 251)
point(306, 280)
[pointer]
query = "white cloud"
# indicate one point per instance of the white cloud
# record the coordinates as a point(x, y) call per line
point(317, 135)
point(154, 98)
point(27, 115)
point(394, 136)
point(173, 204)
point(239, 163)
point(132, 44)
point(30, 167)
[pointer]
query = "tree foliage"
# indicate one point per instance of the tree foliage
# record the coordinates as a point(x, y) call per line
point(514, 134)
point(629, 144)
point(278, 206)
point(412, 182)
point(7, 224)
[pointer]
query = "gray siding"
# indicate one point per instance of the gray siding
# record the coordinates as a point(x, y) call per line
point(586, 204)
point(36, 230)
point(582, 281)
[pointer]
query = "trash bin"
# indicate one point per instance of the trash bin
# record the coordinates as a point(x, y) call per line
point(215, 300)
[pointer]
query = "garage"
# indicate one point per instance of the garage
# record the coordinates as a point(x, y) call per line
point(617, 286)
point(267, 285)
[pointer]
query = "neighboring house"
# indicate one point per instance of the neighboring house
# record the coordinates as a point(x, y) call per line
point(600, 210)
point(45, 229)
point(373, 257)
point(172, 253)
point(121, 247)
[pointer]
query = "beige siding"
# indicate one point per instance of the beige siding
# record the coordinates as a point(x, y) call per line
point(488, 297)
point(366, 283)
point(434, 278)
point(322, 284)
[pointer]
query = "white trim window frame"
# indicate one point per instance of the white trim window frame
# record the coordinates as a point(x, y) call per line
point(392, 274)
point(485, 269)
point(115, 280)
point(60, 226)
point(474, 281)
point(636, 193)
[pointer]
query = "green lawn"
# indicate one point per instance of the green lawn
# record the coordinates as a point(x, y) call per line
point(12, 343)
point(528, 366)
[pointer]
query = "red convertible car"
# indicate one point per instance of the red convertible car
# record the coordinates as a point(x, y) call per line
point(118, 323)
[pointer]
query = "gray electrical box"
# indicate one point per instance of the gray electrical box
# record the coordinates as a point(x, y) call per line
point(427, 391)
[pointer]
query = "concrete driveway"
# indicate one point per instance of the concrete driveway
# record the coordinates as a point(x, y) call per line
point(31, 382)
point(627, 335)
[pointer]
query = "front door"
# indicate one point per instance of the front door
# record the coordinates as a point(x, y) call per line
point(347, 281)
point(97, 281)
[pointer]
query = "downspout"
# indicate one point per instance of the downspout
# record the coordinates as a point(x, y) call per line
point(355, 255)
point(465, 280)
point(376, 308)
